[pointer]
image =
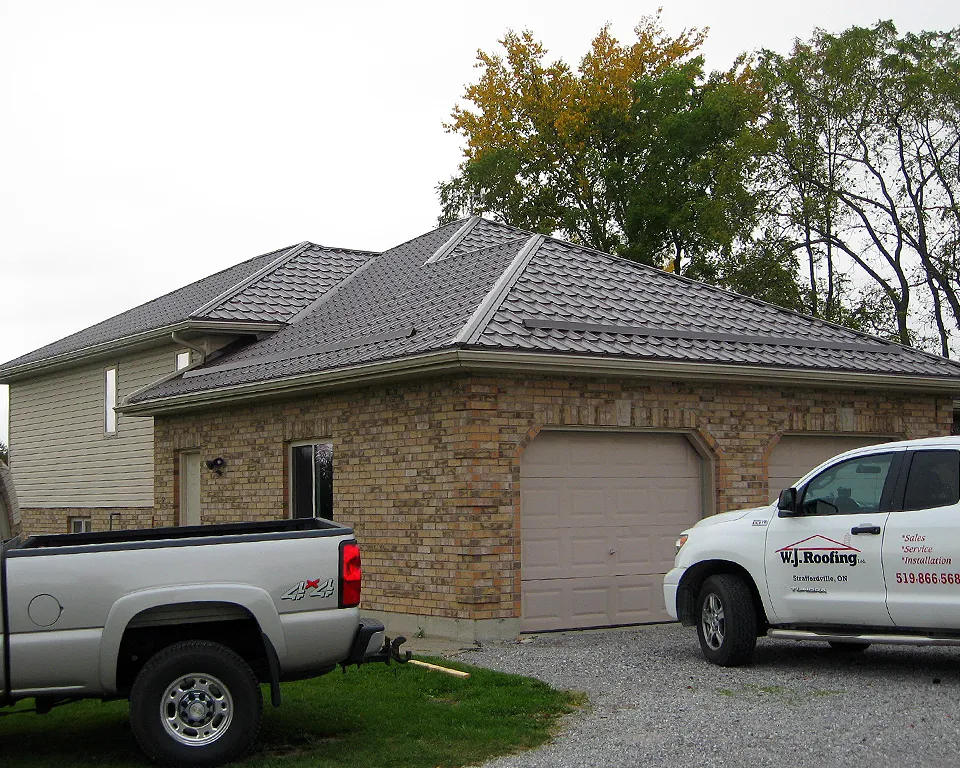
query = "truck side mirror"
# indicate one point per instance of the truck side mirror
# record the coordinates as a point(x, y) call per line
point(787, 503)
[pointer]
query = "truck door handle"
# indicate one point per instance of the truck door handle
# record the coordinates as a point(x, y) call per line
point(866, 528)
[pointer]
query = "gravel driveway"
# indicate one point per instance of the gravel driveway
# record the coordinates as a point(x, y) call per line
point(654, 701)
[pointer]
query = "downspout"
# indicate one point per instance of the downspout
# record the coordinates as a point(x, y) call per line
point(202, 351)
point(173, 374)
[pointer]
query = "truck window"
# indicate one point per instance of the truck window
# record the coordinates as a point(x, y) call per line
point(852, 486)
point(934, 480)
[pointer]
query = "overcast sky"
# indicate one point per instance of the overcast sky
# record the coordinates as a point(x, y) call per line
point(148, 143)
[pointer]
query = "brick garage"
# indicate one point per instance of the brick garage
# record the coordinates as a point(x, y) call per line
point(428, 472)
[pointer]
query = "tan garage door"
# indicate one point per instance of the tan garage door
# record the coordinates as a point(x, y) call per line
point(795, 455)
point(600, 515)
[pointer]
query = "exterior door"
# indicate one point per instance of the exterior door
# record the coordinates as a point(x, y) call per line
point(824, 565)
point(921, 546)
point(190, 488)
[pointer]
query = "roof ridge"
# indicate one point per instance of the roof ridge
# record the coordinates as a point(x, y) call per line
point(495, 296)
point(454, 240)
point(525, 236)
point(332, 291)
point(233, 290)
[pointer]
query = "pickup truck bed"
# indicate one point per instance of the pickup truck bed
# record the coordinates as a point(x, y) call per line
point(93, 614)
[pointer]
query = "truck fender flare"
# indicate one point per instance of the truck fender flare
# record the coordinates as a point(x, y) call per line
point(255, 600)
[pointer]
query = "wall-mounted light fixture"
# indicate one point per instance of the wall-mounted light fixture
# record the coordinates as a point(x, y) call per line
point(216, 465)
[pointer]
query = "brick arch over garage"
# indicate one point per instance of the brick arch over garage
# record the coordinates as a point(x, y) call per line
point(598, 513)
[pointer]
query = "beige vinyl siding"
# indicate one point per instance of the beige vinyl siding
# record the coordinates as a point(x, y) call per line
point(60, 454)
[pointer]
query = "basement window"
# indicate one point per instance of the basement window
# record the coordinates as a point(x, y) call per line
point(78, 524)
point(311, 480)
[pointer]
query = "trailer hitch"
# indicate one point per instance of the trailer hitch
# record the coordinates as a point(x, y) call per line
point(391, 652)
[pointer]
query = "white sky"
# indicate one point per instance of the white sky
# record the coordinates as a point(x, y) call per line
point(145, 144)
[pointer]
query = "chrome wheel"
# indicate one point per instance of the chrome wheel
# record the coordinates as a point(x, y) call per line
point(712, 622)
point(196, 709)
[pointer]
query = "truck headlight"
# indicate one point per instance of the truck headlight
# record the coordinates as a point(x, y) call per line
point(681, 541)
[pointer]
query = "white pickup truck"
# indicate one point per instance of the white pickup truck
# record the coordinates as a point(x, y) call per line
point(185, 622)
point(864, 549)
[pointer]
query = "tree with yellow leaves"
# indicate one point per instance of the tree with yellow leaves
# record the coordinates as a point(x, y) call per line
point(636, 153)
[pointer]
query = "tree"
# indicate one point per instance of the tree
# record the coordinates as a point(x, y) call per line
point(4, 453)
point(866, 125)
point(637, 153)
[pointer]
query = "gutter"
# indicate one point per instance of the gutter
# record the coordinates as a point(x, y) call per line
point(146, 338)
point(461, 360)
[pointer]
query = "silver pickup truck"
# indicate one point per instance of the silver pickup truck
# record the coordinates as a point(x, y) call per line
point(185, 622)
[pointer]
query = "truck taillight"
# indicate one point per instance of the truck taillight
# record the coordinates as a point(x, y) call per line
point(349, 574)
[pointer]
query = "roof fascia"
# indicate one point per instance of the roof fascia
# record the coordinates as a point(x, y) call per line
point(390, 370)
point(491, 302)
point(587, 364)
point(133, 342)
point(235, 289)
point(470, 360)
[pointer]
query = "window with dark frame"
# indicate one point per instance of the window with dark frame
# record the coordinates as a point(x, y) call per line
point(311, 475)
point(934, 480)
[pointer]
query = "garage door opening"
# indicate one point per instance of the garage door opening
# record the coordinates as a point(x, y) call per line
point(600, 513)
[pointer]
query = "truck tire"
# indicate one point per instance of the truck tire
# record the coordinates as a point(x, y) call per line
point(195, 703)
point(726, 620)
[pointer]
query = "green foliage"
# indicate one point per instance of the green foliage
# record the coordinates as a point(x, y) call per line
point(4, 453)
point(867, 130)
point(397, 716)
point(826, 180)
point(637, 153)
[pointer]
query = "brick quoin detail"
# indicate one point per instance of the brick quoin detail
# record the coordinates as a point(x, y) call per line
point(428, 472)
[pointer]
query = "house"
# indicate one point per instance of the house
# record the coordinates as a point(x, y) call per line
point(516, 427)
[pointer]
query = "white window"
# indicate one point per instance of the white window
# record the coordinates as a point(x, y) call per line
point(110, 400)
point(183, 360)
point(311, 480)
point(79, 524)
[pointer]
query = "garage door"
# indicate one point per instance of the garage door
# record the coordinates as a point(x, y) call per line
point(795, 455)
point(600, 515)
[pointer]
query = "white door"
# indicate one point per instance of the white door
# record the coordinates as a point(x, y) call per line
point(600, 515)
point(824, 566)
point(190, 488)
point(795, 455)
point(921, 545)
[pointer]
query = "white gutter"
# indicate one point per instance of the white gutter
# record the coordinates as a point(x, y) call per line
point(202, 351)
point(134, 340)
point(469, 360)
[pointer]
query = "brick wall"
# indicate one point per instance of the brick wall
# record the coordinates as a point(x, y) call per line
point(36, 521)
point(428, 472)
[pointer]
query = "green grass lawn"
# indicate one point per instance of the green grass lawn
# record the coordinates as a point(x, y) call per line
point(375, 716)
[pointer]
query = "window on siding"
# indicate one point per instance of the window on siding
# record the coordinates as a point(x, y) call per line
point(311, 480)
point(183, 360)
point(79, 524)
point(110, 400)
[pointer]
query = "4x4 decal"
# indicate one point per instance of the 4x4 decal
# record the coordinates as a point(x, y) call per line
point(818, 550)
point(309, 588)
